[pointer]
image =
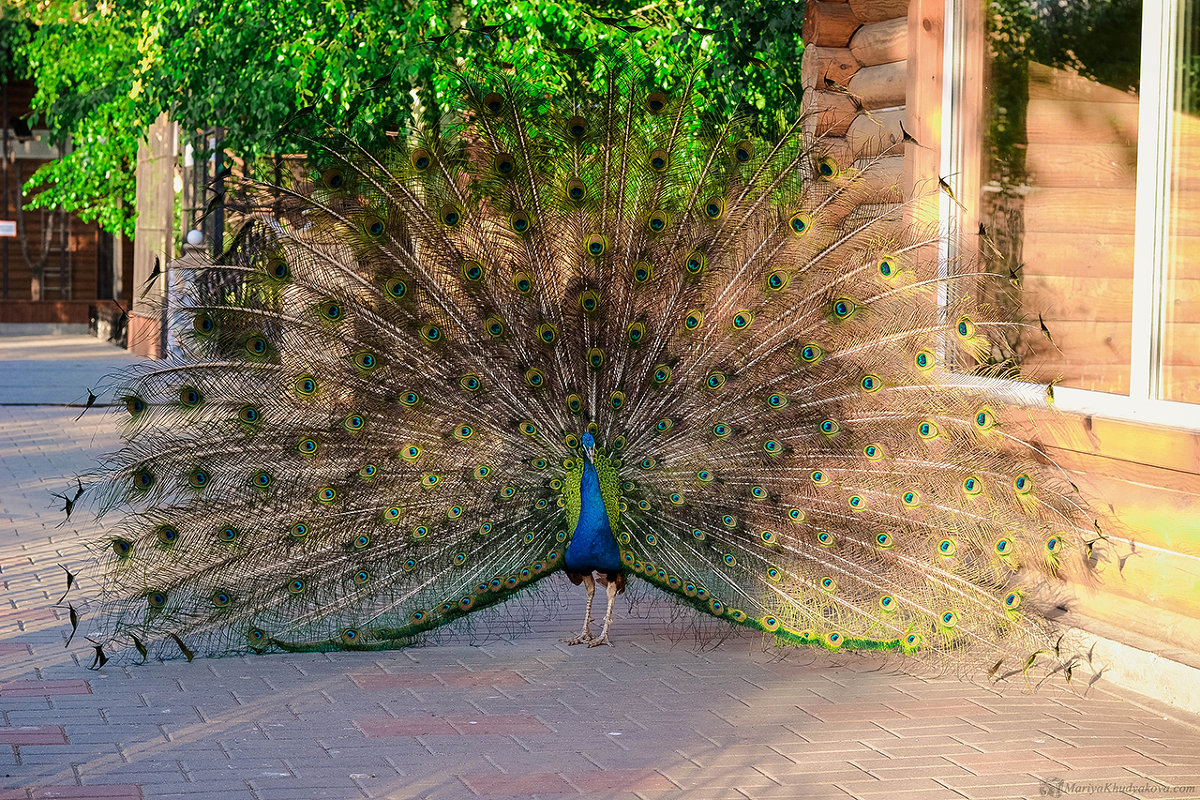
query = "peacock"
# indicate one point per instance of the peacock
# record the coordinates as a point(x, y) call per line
point(607, 333)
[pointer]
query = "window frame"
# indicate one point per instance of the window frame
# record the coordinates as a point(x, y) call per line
point(1160, 32)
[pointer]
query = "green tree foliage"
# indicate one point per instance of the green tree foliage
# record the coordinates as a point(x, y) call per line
point(105, 69)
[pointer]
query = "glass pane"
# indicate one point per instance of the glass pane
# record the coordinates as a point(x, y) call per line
point(1181, 298)
point(1057, 198)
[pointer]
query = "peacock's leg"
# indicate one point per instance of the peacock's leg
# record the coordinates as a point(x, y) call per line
point(589, 583)
point(611, 590)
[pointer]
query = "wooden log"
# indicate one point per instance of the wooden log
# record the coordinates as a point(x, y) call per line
point(869, 11)
point(881, 42)
point(828, 24)
point(819, 64)
point(880, 86)
point(876, 133)
point(834, 111)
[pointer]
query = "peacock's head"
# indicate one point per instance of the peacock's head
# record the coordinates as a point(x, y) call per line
point(588, 443)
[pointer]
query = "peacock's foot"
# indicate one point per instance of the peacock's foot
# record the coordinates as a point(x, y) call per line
point(580, 639)
point(599, 640)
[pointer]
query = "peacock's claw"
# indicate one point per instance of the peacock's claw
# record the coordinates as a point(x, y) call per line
point(596, 641)
point(580, 639)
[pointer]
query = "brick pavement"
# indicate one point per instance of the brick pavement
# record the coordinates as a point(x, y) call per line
point(501, 716)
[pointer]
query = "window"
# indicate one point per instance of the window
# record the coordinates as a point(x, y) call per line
point(1074, 142)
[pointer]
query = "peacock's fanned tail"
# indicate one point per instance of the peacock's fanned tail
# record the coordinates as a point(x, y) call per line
point(373, 428)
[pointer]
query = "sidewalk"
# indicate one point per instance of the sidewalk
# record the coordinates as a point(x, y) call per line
point(499, 716)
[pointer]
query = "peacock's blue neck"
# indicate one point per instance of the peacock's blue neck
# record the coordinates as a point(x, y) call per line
point(593, 546)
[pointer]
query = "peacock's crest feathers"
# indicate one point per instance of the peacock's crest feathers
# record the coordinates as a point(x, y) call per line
point(373, 426)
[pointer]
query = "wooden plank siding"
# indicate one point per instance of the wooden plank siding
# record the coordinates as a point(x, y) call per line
point(1077, 247)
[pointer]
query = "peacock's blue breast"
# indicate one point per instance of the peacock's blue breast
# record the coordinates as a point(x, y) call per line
point(593, 546)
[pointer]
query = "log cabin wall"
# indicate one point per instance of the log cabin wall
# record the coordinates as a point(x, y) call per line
point(870, 65)
point(78, 267)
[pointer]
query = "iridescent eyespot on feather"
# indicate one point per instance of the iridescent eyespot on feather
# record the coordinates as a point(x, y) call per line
point(574, 403)
point(984, 420)
point(482, 471)
point(167, 534)
point(528, 428)
point(964, 327)
point(830, 427)
point(520, 222)
point(374, 227)
point(927, 430)
point(577, 127)
point(704, 476)
point(818, 477)
point(221, 599)
point(778, 280)
point(661, 375)
point(643, 272)
point(695, 263)
point(616, 401)
point(924, 360)
point(589, 301)
point(277, 268)
point(463, 432)
point(595, 358)
point(410, 453)
point(827, 168)
point(1012, 601)
point(450, 216)
point(419, 533)
point(777, 401)
point(742, 320)
point(576, 190)
point(947, 547)
point(1003, 547)
point(795, 515)
point(729, 521)
point(1023, 484)
point(494, 325)
point(470, 382)
point(887, 603)
point(522, 282)
point(429, 481)
point(714, 208)
point(203, 324)
point(392, 514)
point(910, 499)
point(657, 221)
point(721, 430)
point(972, 486)
point(635, 333)
point(887, 266)
point(1054, 545)
point(361, 576)
point(396, 288)
point(843, 308)
point(811, 353)
point(884, 540)
point(420, 159)
point(870, 384)
point(547, 333)
point(825, 539)
point(135, 406)
point(663, 425)
point(656, 102)
point(715, 380)
point(758, 492)
point(365, 361)
point(354, 422)
point(535, 378)
point(493, 102)
point(143, 479)
point(326, 494)
point(659, 160)
point(454, 512)
point(503, 164)
point(256, 345)
point(227, 534)
point(949, 619)
point(198, 478)
point(800, 223)
point(648, 463)
point(156, 599)
point(333, 179)
point(299, 531)
point(297, 586)
point(829, 585)
point(833, 640)
point(472, 271)
point(190, 396)
point(431, 333)
point(856, 502)
point(874, 452)
point(743, 152)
